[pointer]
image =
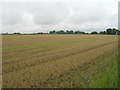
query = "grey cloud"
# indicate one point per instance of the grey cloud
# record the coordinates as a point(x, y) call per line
point(87, 14)
point(51, 14)
point(46, 16)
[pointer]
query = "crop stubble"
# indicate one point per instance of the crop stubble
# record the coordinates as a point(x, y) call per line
point(34, 64)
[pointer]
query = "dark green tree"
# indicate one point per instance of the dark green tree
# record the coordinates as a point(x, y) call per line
point(79, 32)
point(17, 33)
point(69, 32)
point(52, 32)
point(94, 32)
point(103, 32)
point(111, 31)
point(40, 33)
point(60, 32)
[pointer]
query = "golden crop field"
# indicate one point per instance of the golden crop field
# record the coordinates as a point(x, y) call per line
point(49, 60)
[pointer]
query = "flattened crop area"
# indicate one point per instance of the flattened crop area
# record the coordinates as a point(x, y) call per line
point(31, 60)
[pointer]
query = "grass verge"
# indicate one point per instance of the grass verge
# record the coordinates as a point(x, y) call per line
point(99, 73)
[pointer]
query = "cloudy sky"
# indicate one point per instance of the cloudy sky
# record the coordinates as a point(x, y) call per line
point(43, 16)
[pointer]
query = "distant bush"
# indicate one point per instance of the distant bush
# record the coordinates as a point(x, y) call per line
point(94, 32)
point(17, 33)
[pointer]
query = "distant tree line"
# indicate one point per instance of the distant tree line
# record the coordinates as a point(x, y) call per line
point(66, 32)
point(108, 31)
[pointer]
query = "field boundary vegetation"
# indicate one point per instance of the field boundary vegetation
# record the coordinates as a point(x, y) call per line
point(108, 31)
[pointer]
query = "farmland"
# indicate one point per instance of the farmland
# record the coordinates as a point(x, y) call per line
point(59, 61)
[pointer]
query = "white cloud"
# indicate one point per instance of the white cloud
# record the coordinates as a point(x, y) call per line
point(84, 15)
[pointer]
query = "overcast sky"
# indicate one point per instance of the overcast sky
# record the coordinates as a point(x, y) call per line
point(43, 16)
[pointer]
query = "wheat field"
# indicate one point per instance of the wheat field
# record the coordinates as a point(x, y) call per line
point(31, 60)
